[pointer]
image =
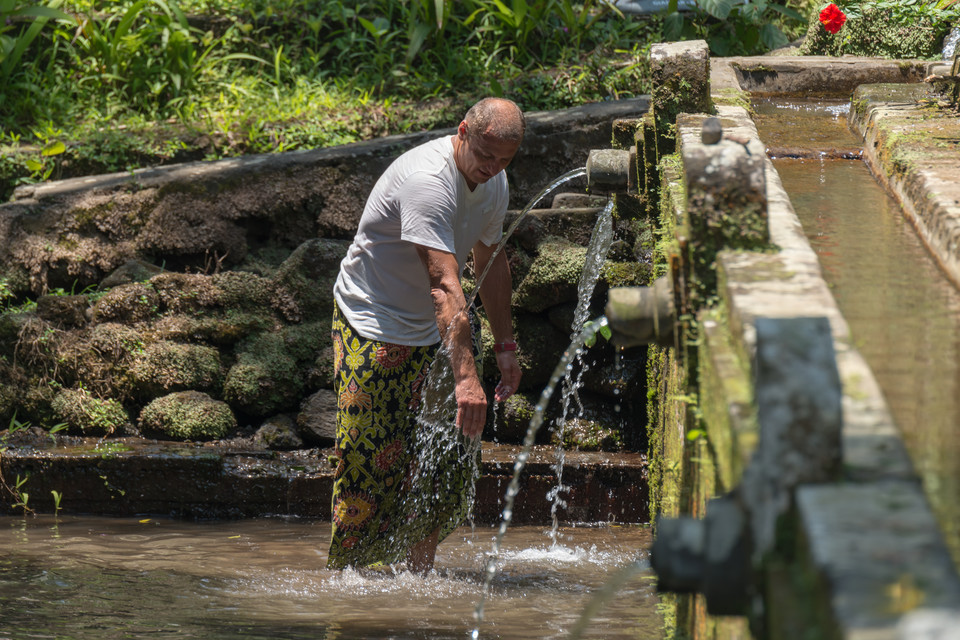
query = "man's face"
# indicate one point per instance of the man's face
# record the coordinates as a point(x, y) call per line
point(480, 157)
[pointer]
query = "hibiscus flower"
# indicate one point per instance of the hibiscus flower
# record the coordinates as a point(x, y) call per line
point(832, 18)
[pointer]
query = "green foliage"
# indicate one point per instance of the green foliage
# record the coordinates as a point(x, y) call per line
point(885, 28)
point(108, 85)
point(732, 28)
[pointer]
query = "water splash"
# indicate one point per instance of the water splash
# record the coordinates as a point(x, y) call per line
point(597, 250)
point(570, 175)
point(565, 364)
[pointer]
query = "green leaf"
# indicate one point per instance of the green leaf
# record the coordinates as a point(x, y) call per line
point(34, 165)
point(606, 332)
point(719, 9)
point(787, 12)
point(53, 148)
point(772, 37)
point(418, 35)
point(673, 26)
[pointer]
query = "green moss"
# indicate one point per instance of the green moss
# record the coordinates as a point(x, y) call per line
point(190, 415)
point(625, 274)
point(553, 276)
point(265, 378)
point(87, 414)
point(169, 366)
point(586, 435)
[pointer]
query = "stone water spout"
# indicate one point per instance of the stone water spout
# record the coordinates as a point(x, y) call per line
point(612, 171)
point(642, 315)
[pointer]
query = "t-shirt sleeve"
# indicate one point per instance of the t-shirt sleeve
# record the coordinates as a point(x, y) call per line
point(427, 208)
point(493, 232)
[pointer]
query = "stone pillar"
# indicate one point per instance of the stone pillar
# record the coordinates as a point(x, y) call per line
point(681, 83)
point(726, 203)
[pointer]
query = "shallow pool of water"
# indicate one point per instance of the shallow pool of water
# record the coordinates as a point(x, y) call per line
point(87, 577)
point(903, 312)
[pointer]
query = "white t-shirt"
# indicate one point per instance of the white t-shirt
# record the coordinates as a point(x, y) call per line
point(383, 289)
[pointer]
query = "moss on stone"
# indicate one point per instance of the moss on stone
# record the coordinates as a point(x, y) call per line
point(88, 414)
point(553, 276)
point(303, 285)
point(265, 379)
point(170, 366)
point(128, 303)
point(587, 435)
point(189, 415)
point(625, 274)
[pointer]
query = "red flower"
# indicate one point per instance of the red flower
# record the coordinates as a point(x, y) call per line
point(832, 18)
point(390, 356)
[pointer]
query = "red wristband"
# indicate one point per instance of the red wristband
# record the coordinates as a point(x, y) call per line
point(500, 347)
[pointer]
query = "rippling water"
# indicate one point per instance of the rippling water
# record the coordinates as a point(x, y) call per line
point(85, 577)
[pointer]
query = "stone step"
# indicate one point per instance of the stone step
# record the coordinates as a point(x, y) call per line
point(130, 476)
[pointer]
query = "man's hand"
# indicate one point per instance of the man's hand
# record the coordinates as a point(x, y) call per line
point(471, 406)
point(509, 375)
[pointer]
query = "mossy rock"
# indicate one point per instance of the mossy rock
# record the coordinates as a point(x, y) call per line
point(586, 435)
point(100, 359)
point(625, 274)
point(128, 303)
point(876, 33)
point(266, 379)
point(186, 292)
point(553, 277)
point(513, 420)
point(170, 366)
point(89, 415)
point(303, 284)
point(243, 290)
point(188, 415)
point(223, 329)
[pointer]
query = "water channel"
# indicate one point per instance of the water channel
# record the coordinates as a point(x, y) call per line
point(77, 578)
point(903, 312)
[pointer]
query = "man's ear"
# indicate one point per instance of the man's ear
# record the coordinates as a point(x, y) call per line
point(462, 130)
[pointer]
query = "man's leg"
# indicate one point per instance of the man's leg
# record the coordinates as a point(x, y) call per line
point(421, 555)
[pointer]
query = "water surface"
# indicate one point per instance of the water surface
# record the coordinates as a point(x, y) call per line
point(90, 577)
point(903, 312)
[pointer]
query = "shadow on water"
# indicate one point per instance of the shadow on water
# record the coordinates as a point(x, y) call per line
point(84, 577)
point(903, 312)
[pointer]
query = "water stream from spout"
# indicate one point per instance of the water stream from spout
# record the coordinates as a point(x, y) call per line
point(570, 175)
point(596, 254)
point(563, 367)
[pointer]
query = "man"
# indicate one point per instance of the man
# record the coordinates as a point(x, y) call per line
point(397, 299)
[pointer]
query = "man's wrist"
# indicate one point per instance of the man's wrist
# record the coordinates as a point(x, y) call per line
point(507, 345)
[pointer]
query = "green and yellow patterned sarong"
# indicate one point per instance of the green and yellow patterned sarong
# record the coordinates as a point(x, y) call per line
point(397, 479)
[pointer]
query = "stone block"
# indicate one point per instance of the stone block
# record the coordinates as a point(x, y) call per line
point(681, 80)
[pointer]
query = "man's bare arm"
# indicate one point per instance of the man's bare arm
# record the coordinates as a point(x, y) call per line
point(496, 292)
point(452, 321)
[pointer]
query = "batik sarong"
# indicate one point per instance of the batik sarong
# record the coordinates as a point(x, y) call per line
point(397, 479)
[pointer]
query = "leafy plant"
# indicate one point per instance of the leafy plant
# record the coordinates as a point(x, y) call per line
point(732, 28)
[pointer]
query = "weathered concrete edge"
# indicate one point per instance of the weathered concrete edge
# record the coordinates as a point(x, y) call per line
point(935, 215)
point(875, 458)
point(194, 481)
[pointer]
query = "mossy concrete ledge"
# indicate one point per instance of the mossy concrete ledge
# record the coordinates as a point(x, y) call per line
point(130, 476)
point(913, 148)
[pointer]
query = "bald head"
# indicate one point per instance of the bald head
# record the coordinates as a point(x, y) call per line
point(496, 118)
